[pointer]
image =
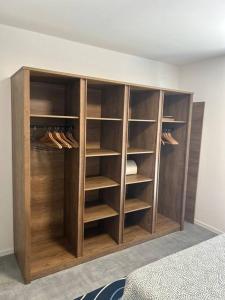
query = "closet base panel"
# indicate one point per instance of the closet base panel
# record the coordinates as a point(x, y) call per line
point(52, 256)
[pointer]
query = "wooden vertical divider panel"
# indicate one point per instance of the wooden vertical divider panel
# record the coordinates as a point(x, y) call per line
point(157, 161)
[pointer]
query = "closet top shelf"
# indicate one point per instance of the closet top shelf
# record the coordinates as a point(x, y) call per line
point(37, 72)
point(53, 116)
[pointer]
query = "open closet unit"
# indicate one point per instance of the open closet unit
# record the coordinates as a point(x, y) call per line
point(98, 166)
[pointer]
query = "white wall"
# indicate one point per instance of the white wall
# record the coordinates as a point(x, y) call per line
point(207, 80)
point(19, 47)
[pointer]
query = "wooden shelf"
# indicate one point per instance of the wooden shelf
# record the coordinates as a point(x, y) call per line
point(165, 225)
point(135, 233)
point(173, 122)
point(103, 119)
point(98, 212)
point(141, 120)
point(98, 244)
point(99, 182)
point(53, 116)
point(134, 150)
point(135, 204)
point(48, 255)
point(100, 152)
point(131, 179)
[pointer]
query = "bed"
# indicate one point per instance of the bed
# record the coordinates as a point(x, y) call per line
point(195, 273)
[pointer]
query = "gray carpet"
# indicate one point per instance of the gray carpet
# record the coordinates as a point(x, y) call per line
point(71, 283)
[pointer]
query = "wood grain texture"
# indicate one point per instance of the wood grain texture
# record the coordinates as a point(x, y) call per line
point(157, 162)
point(98, 212)
point(21, 170)
point(173, 160)
point(135, 204)
point(82, 148)
point(134, 150)
point(99, 182)
point(100, 152)
point(47, 189)
point(37, 72)
point(82, 205)
point(52, 116)
point(194, 157)
point(137, 178)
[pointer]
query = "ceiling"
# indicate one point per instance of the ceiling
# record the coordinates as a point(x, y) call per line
point(173, 31)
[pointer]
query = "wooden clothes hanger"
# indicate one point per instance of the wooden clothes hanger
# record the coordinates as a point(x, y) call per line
point(72, 139)
point(50, 141)
point(168, 138)
point(172, 139)
point(59, 138)
point(63, 136)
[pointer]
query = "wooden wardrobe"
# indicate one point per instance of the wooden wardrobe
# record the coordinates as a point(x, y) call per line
point(73, 205)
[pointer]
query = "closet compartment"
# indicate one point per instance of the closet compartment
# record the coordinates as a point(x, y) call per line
point(141, 137)
point(100, 236)
point(143, 105)
point(52, 96)
point(145, 168)
point(176, 107)
point(173, 162)
point(101, 204)
point(105, 100)
point(54, 173)
point(102, 172)
point(137, 226)
point(103, 138)
point(139, 197)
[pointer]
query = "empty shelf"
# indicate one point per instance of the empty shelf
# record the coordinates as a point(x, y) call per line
point(135, 233)
point(100, 152)
point(141, 120)
point(135, 204)
point(99, 182)
point(53, 116)
point(134, 150)
point(103, 119)
point(48, 256)
point(98, 212)
point(173, 122)
point(165, 225)
point(98, 244)
point(130, 179)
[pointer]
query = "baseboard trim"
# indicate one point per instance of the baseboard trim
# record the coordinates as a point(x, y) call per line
point(6, 252)
point(209, 227)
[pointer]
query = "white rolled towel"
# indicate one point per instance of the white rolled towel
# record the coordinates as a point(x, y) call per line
point(131, 167)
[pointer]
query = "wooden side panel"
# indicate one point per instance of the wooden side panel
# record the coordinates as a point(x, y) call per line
point(21, 169)
point(194, 156)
